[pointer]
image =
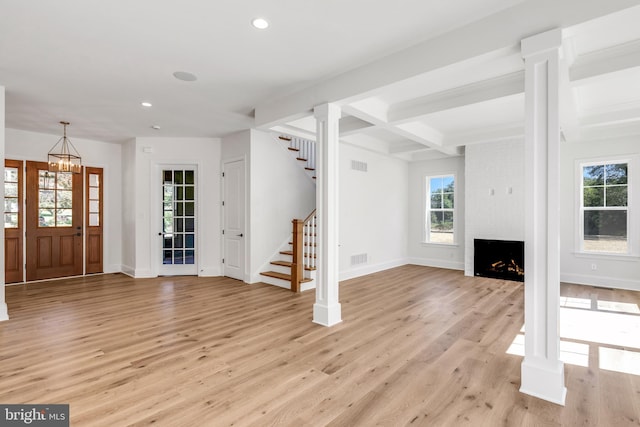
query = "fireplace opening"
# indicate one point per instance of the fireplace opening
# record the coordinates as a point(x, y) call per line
point(499, 259)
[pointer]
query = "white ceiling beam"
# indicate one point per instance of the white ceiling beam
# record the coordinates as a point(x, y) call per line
point(501, 31)
point(513, 131)
point(605, 61)
point(630, 113)
point(375, 112)
point(409, 147)
point(350, 125)
point(611, 131)
point(509, 84)
point(569, 125)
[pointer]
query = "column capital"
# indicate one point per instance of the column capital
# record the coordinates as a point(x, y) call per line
point(541, 43)
point(323, 111)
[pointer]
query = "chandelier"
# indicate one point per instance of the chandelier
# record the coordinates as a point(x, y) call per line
point(63, 157)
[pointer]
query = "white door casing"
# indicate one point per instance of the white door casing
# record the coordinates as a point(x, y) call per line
point(177, 219)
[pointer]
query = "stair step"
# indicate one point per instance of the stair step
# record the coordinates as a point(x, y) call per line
point(310, 268)
point(310, 169)
point(291, 253)
point(282, 263)
point(284, 138)
point(277, 275)
point(282, 276)
point(293, 149)
point(302, 159)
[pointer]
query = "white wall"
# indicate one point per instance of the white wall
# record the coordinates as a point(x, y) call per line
point(24, 145)
point(129, 206)
point(494, 194)
point(373, 212)
point(280, 191)
point(611, 271)
point(429, 254)
point(150, 155)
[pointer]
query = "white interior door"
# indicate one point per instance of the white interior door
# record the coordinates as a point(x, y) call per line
point(178, 254)
point(234, 219)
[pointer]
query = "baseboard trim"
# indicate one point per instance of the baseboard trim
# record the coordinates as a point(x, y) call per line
point(143, 274)
point(370, 269)
point(605, 282)
point(210, 272)
point(438, 263)
point(4, 312)
point(129, 271)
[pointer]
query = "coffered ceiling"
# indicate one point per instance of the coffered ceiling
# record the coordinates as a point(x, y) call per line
point(414, 78)
point(436, 113)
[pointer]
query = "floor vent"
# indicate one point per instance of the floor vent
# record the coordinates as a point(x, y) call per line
point(357, 165)
point(358, 259)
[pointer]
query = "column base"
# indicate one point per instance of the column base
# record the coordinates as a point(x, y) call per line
point(327, 315)
point(4, 312)
point(543, 382)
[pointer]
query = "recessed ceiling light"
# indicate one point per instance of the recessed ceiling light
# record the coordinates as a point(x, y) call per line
point(146, 104)
point(185, 76)
point(155, 127)
point(260, 23)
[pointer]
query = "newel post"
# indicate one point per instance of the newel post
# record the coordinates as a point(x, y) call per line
point(297, 264)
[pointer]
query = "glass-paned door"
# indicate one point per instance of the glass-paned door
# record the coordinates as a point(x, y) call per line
point(178, 221)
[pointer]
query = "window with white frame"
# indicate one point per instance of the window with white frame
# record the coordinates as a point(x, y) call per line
point(604, 207)
point(440, 209)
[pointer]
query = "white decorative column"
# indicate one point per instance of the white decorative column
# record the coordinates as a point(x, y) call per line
point(542, 370)
point(326, 310)
point(4, 313)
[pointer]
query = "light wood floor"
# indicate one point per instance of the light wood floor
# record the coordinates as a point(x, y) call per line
point(418, 346)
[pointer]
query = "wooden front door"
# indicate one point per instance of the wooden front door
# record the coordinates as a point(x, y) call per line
point(53, 223)
point(13, 222)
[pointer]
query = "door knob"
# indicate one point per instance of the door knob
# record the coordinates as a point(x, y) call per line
point(240, 235)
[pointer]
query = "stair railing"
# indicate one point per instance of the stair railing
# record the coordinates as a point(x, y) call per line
point(304, 248)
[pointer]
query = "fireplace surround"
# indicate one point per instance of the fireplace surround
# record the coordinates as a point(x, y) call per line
point(499, 259)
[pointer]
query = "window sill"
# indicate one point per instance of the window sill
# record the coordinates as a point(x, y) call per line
point(449, 245)
point(604, 255)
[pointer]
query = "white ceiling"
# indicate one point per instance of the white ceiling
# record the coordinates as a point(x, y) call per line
point(93, 62)
point(436, 113)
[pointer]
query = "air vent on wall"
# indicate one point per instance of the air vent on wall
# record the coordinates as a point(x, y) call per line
point(358, 259)
point(357, 165)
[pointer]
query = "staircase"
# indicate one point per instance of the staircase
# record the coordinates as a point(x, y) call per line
point(295, 266)
point(304, 151)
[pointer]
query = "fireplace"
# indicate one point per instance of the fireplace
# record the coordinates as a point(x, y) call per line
point(499, 259)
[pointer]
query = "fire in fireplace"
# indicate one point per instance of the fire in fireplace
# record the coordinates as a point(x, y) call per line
point(499, 259)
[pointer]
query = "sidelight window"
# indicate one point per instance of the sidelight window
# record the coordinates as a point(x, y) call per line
point(11, 197)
